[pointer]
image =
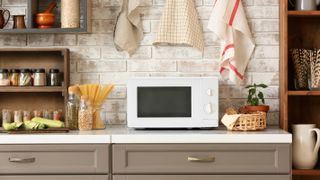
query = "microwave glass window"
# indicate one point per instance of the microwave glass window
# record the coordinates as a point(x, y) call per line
point(164, 102)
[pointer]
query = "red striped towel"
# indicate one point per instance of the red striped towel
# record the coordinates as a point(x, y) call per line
point(228, 21)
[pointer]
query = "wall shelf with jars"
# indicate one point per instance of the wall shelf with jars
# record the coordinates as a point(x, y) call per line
point(45, 76)
point(52, 16)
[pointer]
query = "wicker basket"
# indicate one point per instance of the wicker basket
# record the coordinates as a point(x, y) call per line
point(251, 122)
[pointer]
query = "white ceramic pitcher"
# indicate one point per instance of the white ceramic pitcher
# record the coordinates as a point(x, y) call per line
point(305, 146)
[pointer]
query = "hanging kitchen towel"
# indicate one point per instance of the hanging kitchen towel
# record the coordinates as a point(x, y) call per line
point(180, 25)
point(128, 31)
point(228, 21)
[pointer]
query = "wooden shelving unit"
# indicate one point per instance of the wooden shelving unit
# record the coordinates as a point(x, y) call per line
point(36, 6)
point(35, 98)
point(298, 29)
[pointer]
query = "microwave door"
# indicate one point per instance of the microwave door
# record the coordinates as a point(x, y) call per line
point(164, 102)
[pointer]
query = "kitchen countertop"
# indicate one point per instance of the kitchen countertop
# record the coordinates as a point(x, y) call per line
point(122, 134)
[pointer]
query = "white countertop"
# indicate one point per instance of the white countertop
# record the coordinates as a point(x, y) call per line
point(122, 134)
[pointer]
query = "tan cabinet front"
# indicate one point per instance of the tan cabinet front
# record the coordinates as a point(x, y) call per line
point(57, 177)
point(201, 159)
point(54, 159)
point(200, 177)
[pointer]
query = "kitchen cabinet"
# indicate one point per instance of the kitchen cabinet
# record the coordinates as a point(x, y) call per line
point(91, 159)
point(201, 161)
point(55, 177)
point(298, 29)
point(202, 177)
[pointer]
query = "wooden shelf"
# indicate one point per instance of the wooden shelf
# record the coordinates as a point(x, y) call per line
point(36, 30)
point(303, 13)
point(304, 93)
point(306, 172)
point(31, 89)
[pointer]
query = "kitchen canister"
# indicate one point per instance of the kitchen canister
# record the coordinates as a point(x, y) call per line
point(301, 63)
point(305, 146)
point(305, 5)
point(315, 70)
point(70, 13)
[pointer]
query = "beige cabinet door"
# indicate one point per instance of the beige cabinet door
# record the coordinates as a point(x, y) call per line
point(54, 159)
point(201, 159)
point(204, 177)
point(53, 177)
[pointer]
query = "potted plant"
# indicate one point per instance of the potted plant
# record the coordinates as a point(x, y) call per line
point(255, 96)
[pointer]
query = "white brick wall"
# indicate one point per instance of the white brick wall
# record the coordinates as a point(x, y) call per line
point(94, 59)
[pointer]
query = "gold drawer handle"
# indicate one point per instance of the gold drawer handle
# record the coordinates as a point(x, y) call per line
point(21, 160)
point(196, 159)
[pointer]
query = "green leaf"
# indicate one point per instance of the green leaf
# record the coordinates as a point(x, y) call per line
point(260, 95)
point(262, 86)
point(255, 101)
point(249, 86)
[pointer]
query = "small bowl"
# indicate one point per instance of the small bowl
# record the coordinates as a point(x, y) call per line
point(45, 20)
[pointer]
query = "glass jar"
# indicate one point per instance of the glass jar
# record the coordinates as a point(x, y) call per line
point(25, 78)
point(48, 114)
point(54, 77)
point(39, 76)
point(4, 77)
point(17, 116)
point(14, 77)
point(57, 115)
point(85, 115)
point(27, 116)
point(37, 113)
point(72, 109)
point(6, 116)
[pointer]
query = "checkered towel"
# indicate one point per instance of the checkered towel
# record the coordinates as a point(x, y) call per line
point(180, 25)
point(128, 31)
point(228, 21)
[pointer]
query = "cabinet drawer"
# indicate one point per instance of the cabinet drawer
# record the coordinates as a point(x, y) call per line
point(205, 177)
point(201, 158)
point(53, 177)
point(54, 159)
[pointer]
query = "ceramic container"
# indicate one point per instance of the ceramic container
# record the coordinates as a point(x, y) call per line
point(70, 13)
point(305, 146)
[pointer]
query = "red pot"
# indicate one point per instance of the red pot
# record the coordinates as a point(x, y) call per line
point(262, 108)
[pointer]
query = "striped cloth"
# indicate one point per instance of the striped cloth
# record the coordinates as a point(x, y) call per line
point(228, 21)
point(180, 25)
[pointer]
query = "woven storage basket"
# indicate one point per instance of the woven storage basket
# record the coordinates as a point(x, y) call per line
point(251, 122)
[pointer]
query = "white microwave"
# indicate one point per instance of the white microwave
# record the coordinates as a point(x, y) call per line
point(173, 102)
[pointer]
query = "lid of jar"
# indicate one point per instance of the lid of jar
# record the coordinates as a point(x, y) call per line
point(73, 90)
point(25, 70)
point(40, 71)
point(4, 70)
point(53, 70)
point(15, 71)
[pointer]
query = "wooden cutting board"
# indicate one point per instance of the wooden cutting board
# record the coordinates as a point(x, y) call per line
point(49, 130)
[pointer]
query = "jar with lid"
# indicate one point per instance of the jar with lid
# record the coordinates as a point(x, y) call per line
point(54, 77)
point(27, 116)
point(4, 77)
point(39, 77)
point(72, 108)
point(25, 78)
point(6, 116)
point(17, 116)
point(14, 77)
point(85, 115)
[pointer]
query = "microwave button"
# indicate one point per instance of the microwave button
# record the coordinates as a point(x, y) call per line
point(209, 108)
point(209, 92)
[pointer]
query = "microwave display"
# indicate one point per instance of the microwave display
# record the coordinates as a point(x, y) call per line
point(157, 102)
